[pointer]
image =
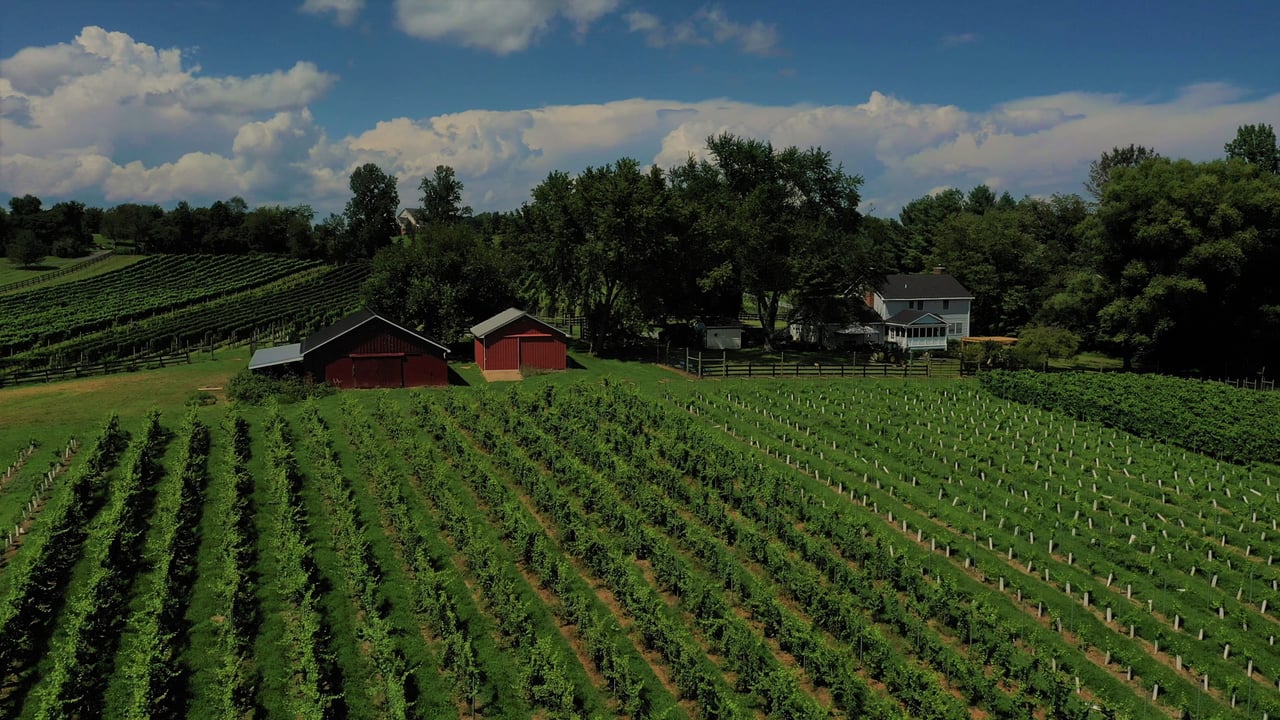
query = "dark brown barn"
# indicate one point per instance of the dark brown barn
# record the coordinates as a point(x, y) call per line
point(514, 339)
point(364, 350)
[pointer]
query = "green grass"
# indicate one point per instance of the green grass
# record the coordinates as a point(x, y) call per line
point(10, 273)
point(113, 263)
point(1087, 361)
point(74, 407)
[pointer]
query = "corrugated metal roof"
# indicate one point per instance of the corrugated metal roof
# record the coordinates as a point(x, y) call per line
point(269, 357)
point(923, 287)
point(505, 318)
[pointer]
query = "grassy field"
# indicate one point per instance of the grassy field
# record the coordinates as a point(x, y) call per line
point(111, 264)
point(619, 540)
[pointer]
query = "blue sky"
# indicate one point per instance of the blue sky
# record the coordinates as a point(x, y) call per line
point(277, 101)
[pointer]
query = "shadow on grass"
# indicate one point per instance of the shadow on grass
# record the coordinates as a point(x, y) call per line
point(455, 379)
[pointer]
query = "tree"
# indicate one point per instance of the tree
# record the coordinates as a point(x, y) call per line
point(66, 221)
point(25, 249)
point(131, 222)
point(795, 216)
point(371, 212)
point(1187, 247)
point(6, 228)
point(1100, 170)
point(332, 239)
point(442, 198)
point(1036, 344)
point(597, 241)
point(921, 218)
point(1256, 144)
point(25, 206)
point(980, 200)
point(999, 261)
point(442, 282)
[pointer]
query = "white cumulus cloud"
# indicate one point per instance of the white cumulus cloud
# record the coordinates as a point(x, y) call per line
point(344, 11)
point(499, 26)
point(106, 117)
point(705, 27)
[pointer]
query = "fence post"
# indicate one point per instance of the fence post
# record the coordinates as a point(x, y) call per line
point(749, 364)
point(699, 364)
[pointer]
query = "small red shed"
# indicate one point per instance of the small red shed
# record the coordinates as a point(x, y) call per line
point(364, 350)
point(514, 339)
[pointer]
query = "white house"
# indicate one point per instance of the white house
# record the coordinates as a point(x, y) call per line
point(922, 312)
point(409, 220)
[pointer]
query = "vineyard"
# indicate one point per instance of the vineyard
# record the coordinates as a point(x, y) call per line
point(802, 549)
point(173, 302)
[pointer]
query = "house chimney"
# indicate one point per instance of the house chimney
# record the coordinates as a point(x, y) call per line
point(938, 269)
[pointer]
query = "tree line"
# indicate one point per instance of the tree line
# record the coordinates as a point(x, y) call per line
point(1163, 262)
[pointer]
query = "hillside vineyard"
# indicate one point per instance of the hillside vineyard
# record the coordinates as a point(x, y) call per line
point(802, 549)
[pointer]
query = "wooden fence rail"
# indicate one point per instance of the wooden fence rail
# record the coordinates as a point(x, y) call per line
point(107, 367)
point(719, 368)
point(42, 277)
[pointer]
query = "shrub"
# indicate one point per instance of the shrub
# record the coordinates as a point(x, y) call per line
point(252, 388)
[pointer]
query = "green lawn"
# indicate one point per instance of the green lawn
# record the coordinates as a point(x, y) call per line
point(61, 409)
point(10, 274)
point(1087, 361)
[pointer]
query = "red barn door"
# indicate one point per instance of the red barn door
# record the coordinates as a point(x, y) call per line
point(378, 371)
point(542, 352)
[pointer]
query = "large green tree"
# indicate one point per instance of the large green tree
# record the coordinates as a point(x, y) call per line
point(441, 282)
point(1100, 170)
point(1190, 251)
point(921, 218)
point(598, 242)
point(371, 211)
point(442, 198)
point(132, 222)
point(794, 218)
point(25, 249)
point(1256, 144)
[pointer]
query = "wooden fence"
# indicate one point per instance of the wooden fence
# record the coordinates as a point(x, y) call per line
point(42, 277)
point(107, 367)
point(705, 367)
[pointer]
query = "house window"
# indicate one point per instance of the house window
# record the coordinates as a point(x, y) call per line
point(955, 329)
point(946, 304)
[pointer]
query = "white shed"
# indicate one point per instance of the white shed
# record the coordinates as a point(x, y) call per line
point(722, 337)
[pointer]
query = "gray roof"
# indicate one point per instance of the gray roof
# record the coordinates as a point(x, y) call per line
point(505, 318)
point(914, 317)
point(353, 321)
point(923, 287)
point(268, 357)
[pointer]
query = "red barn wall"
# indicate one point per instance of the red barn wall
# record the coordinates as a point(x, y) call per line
point(377, 355)
point(523, 343)
point(501, 353)
point(542, 352)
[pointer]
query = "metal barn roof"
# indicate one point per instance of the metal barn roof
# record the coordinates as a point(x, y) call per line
point(353, 321)
point(505, 318)
point(270, 357)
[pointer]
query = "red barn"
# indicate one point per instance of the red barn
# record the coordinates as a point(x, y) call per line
point(514, 339)
point(364, 350)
